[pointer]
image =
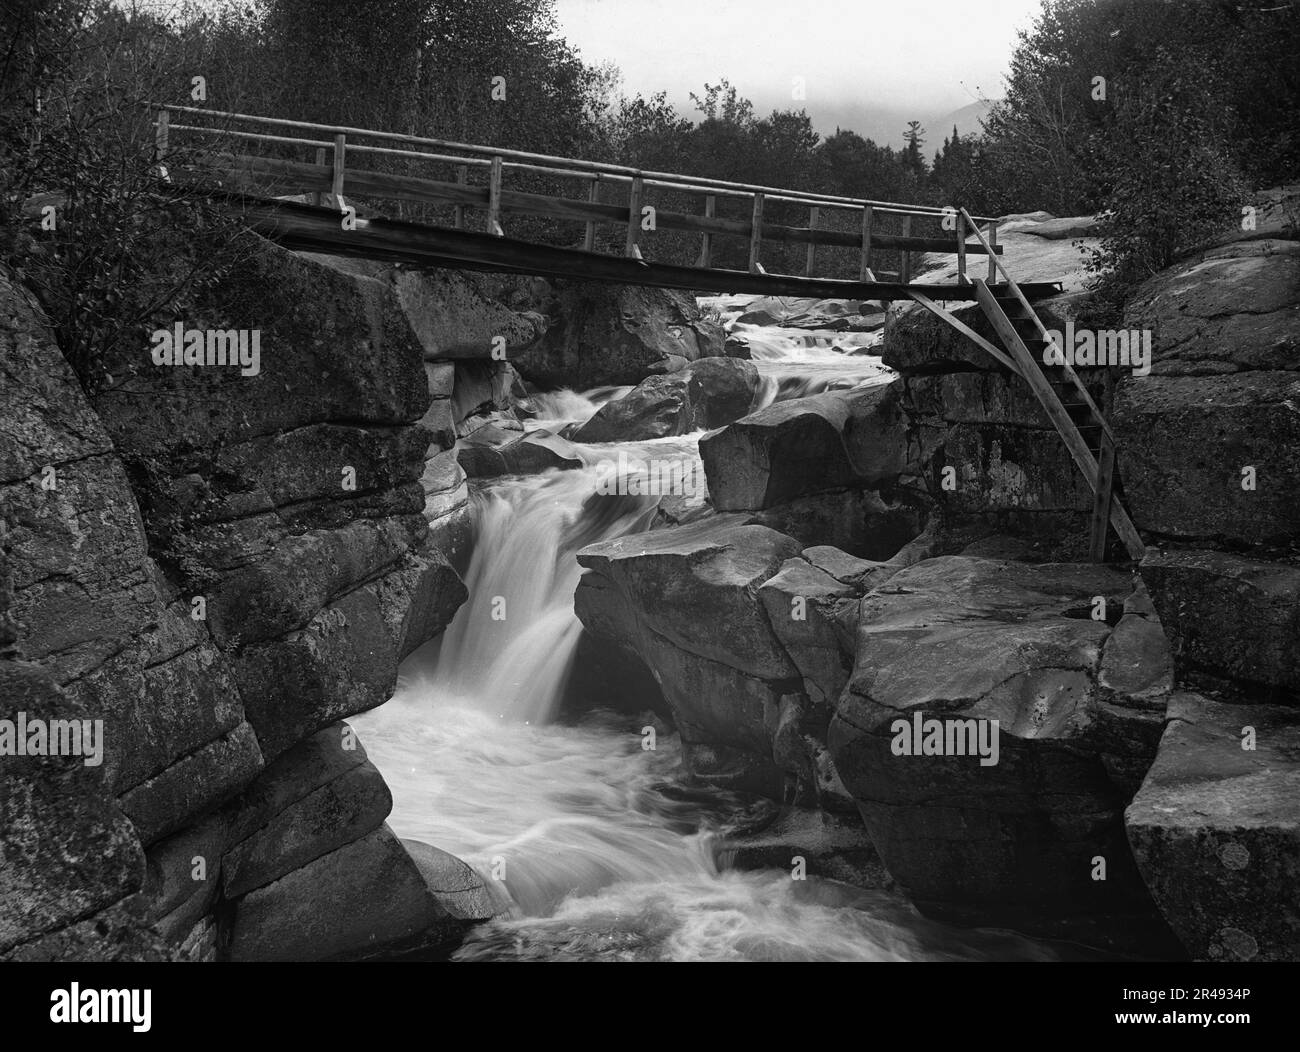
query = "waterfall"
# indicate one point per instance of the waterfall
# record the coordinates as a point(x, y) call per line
point(509, 648)
point(591, 843)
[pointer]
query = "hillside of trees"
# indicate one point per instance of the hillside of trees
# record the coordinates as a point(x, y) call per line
point(1161, 116)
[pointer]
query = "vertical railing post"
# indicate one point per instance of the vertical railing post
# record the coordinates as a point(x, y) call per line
point(633, 216)
point(462, 179)
point(318, 198)
point(813, 213)
point(340, 161)
point(160, 136)
point(593, 197)
point(865, 272)
point(993, 259)
point(706, 242)
point(494, 198)
point(756, 235)
point(905, 266)
point(961, 251)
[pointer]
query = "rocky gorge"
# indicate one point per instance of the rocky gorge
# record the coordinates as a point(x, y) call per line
point(230, 572)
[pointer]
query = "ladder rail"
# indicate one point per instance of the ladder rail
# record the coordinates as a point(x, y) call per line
point(1083, 457)
point(1080, 389)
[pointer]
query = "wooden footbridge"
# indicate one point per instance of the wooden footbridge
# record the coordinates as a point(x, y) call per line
point(312, 202)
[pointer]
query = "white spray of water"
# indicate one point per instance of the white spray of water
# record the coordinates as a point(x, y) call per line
point(587, 839)
point(509, 648)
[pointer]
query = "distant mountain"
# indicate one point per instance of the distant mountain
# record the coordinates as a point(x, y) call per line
point(885, 125)
point(967, 119)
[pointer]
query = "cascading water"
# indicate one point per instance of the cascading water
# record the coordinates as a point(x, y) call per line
point(593, 847)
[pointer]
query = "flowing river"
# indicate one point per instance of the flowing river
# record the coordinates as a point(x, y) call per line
point(594, 847)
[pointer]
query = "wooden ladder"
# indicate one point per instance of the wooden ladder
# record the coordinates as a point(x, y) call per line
point(1065, 400)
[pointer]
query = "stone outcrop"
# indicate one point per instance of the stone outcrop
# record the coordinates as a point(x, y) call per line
point(806, 446)
point(657, 407)
point(794, 312)
point(453, 314)
point(1208, 444)
point(1011, 835)
point(989, 456)
point(1209, 437)
point(219, 566)
point(684, 601)
point(1215, 829)
point(1231, 617)
point(835, 468)
point(492, 451)
point(706, 394)
point(605, 335)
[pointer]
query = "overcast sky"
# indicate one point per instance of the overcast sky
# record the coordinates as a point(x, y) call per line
point(862, 60)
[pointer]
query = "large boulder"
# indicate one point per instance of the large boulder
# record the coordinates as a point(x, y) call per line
point(1207, 439)
point(707, 394)
point(315, 798)
point(1216, 829)
point(1006, 816)
point(863, 522)
point(684, 601)
point(1229, 616)
point(1213, 457)
point(793, 312)
point(657, 407)
point(366, 899)
point(833, 441)
point(603, 335)
point(721, 390)
point(490, 451)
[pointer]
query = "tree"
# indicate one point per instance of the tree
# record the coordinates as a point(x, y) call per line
point(912, 156)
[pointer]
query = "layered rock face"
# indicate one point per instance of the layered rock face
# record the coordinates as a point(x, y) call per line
point(1208, 444)
point(991, 458)
point(220, 565)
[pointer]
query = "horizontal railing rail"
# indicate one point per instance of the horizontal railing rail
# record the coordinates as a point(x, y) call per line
point(574, 166)
point(330, 174)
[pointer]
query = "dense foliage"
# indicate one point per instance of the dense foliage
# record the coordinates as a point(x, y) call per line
point(1160, 116)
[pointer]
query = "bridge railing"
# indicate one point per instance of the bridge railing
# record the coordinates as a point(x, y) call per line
point(332, 172)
